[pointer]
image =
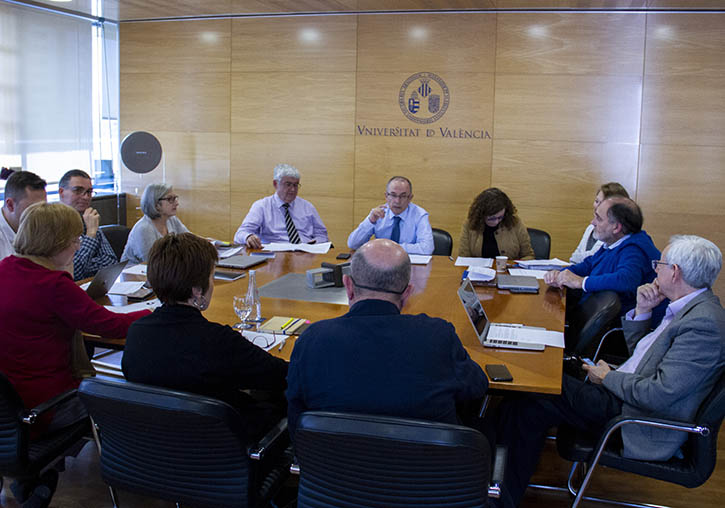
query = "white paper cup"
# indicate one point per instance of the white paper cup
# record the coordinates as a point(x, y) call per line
point(501, 263)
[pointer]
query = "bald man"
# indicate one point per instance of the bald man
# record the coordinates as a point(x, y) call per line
point(376, 360)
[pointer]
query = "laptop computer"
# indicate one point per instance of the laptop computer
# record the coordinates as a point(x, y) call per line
point(499, 335)
point(104, 279)
point(517, 283)
point(240, 261)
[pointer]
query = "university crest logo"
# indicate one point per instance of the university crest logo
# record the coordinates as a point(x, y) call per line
point(424, 97)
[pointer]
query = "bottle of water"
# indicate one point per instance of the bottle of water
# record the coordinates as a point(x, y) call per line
point(253, 296)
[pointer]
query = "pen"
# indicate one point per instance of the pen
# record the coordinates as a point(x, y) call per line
point(284, 341)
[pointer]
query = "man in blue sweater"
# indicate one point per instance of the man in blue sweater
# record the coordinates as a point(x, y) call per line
point(624, 262)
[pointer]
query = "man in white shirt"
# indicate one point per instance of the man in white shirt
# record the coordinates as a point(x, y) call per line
point(22, 189)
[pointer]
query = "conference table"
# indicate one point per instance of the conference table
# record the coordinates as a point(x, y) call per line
point(434, 293)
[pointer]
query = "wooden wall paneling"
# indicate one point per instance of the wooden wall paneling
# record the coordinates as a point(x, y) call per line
point(440, 43)
point(568, 108)
point(565, 225)
point(552, 173)
point(570, 43)
point(197, 102)
point(148, 47)
point(295, 44)
point(325, 162)
point(285, 102)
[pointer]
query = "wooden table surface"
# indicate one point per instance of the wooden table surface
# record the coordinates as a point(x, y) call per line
point(434, 293)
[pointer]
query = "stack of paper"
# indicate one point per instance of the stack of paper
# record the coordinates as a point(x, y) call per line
point(468, 261)
point(480, 274)
point(312, 248)
point(418, 259)
point(135, 270)
point(125, 309)
point(543, 264)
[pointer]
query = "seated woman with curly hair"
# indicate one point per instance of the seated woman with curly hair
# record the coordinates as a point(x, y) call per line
point(493, 229)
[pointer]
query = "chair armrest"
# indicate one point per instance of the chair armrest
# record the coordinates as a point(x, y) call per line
point(620, 421)
point(32, 415)
point(294, 468)
point(499, 466)
point(257, 452)
point(601, 341)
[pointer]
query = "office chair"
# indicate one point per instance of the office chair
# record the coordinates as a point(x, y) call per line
point(117, 236)
point(356, 460)
point(442, 242)
point(590, 320)
point(20, 457)
point(181, 447)
point(699, 451)
point(540, 242)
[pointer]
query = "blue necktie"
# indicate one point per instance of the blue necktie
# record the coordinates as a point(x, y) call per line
point(395, 236)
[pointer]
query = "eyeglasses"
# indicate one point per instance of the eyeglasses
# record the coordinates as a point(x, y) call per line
point(262, 341)
point(381, 290)
point(496, 218)
point(82, 191)
point(393, 195)
point(655, 263)
point(77, 240)
point(290, 185)
point(171, 199)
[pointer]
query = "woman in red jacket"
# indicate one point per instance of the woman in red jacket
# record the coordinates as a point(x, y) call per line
point(40, 309)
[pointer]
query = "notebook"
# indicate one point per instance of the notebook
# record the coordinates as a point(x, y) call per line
point(104, 279)
point(240, 261)
point(499, 335)
point(518, 283)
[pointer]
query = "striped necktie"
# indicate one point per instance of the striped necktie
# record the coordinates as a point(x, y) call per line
point(294, 237)
point(395, 236)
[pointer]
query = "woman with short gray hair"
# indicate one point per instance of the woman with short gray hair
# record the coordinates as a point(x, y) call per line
point(158, 204)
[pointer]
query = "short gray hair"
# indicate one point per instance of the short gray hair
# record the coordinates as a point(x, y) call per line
point(391, 278)
point(282, 170)
point(151, 196)
point(699, 259)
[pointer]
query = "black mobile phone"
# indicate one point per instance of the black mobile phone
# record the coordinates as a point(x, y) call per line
point(343, 255)
point(498, 373)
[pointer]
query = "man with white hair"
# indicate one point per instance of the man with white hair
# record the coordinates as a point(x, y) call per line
point(282, 217)
point(669, 373)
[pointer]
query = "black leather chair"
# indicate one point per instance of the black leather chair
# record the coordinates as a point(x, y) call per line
point(180, 446)
point(117, 236)
point(442, 242)
point(364, 460)
point(540, 242)
point(20, 457)
point(696, 466)
point(590, 320)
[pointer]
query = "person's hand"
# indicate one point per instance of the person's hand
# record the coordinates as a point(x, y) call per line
point(597, 372)
point(552, 278)
point(377, 213)
point(253, 242)
point(570, 279)
point(91, 218)
point(649, 296)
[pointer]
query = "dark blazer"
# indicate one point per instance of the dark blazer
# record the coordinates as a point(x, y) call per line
point(674, 377)
point(177, 347)
point(376, 360)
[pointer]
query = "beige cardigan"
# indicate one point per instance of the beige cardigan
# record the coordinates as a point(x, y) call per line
point(513, 242)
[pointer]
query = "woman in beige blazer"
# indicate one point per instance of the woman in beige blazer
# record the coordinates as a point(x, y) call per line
point(493, 229)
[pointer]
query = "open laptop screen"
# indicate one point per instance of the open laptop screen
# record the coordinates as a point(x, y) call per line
point(473, 307)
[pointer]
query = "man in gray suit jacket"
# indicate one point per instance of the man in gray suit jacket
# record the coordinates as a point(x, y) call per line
point(669, 373)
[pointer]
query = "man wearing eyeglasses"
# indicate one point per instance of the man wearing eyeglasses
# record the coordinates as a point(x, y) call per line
point(75, 189)
point(375, 359)
point(282, 217)
point(622, 264)
point(668, 375)
point(398, 220)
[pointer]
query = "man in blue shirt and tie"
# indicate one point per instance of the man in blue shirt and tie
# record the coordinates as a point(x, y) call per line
point(398, 220)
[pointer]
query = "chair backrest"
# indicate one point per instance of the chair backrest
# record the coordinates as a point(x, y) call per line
point(442, 242)
point(540, 242)
point(386, 461)
point(168, 444)
point(591, 319)
point(117, 236)
point(13, 434)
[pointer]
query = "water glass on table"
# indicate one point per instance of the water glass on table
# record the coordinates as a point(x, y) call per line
point(242, 308)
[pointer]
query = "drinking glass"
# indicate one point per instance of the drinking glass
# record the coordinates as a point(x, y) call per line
point(242, 308)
